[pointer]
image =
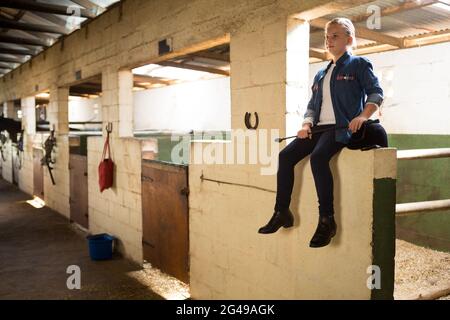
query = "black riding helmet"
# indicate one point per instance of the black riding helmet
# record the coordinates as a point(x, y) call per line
point(370, 135)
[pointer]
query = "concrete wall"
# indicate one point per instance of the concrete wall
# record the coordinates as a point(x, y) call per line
point(199, 105)
point(230, 260)
point(118, 210)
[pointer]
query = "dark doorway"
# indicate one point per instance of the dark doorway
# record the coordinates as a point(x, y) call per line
point(79, 205)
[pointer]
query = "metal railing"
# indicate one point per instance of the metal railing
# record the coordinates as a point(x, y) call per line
point(423, 206)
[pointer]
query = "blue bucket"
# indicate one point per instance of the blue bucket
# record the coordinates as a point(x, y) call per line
point(100, 246)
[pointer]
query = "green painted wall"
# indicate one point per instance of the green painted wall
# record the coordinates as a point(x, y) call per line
point(383, 249)
point(422, 180)
point(165, 143)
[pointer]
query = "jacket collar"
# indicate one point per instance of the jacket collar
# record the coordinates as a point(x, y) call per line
point(341, 60)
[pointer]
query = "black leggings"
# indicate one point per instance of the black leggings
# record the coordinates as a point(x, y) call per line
point(322, 147)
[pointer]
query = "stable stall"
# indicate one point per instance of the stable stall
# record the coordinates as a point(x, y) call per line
point(174, 102)
point(85, 119)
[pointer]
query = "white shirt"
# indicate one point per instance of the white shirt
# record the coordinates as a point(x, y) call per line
point(326, 111)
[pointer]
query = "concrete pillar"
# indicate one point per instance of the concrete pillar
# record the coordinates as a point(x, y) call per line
point(110, 98)
point(126, 112)
point(297, 74)
point(58, 113)
point(29, 114)
point(117, 101)
point(57, 196)
point(7, 164)
point(26, 173)
point(270, 74)
point(258, 68)
point(117, 210)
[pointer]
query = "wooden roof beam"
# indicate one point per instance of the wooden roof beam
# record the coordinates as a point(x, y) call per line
point(192, 67)
point(428, 38)
point(324, 7)
point(212, 56)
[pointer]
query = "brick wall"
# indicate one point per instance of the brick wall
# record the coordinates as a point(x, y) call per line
point(118, 210)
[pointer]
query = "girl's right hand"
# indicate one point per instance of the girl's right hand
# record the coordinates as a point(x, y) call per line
point(305, 132)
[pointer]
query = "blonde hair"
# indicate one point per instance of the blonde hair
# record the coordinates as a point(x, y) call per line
point(347, 25)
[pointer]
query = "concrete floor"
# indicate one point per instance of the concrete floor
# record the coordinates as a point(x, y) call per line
point(37, 246)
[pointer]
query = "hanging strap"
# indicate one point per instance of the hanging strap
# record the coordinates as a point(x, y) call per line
point(106, 147)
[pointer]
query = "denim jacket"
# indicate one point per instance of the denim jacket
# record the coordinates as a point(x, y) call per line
point(351, 81)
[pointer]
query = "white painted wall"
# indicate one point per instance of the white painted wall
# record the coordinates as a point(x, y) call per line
point(7, 164)
point(416, 83)
point(83, 109)
point(201, 105)
point(230, 260)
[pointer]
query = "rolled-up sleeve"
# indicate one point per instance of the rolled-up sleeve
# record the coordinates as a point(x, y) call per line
point(371, 85)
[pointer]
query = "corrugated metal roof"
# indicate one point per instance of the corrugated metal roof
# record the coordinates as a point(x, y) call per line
point(28, 27)
point(400, 19)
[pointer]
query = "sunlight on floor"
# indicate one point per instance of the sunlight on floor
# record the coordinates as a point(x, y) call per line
point(37, 202)
point(166, 286)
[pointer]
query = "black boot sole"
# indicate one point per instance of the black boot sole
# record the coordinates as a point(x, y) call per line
point(320, 245)
point(286, 225)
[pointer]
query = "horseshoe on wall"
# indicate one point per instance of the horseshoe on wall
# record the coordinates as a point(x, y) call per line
point(248, 124)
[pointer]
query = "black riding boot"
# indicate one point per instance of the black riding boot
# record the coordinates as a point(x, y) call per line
point(280, 218)
point(326, 229)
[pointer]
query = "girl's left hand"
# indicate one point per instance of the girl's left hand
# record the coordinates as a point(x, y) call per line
point(356, 123)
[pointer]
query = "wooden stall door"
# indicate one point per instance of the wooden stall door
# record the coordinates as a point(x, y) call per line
point(79, 207)
point(165, 218)
point(38, 174)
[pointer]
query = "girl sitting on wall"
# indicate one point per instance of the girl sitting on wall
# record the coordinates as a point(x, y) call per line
point(338, 107)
